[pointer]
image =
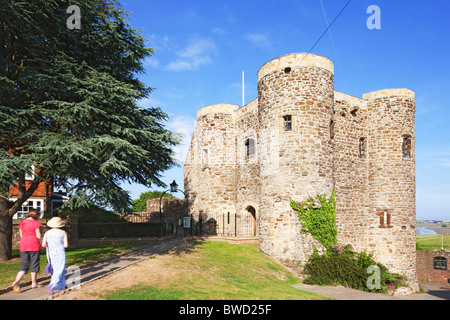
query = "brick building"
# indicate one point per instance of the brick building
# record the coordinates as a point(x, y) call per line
point(301, 138)
point(45, 199)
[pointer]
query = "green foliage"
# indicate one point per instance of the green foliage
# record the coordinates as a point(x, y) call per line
point(140, 204)
point(69, 103)
point(91, 214)
point(319, 219)
point(342, 266)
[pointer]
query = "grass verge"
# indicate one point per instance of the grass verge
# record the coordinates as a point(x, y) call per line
point(217, 271)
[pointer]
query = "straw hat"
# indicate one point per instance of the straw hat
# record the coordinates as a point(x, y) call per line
point(56, 222)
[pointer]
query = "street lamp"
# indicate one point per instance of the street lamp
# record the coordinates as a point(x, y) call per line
point(173, 188)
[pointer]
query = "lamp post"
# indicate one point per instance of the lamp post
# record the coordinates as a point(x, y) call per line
point(174, 189)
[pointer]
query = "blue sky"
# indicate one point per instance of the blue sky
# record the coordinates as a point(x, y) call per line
point(203, 46)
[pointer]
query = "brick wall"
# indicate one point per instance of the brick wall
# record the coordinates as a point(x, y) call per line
point(425, 267)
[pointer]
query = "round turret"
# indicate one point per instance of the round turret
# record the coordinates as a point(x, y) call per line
point(391, 157)
point(296, 98)
point(211, 170)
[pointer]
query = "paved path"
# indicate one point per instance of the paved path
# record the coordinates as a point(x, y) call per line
point(96, 271)
point(433, 291)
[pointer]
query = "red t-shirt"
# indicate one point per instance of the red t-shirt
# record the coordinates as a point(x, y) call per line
point(29, 241)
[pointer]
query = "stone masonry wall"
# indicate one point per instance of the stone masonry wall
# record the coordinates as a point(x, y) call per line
point(351, 170)
point(247, 169)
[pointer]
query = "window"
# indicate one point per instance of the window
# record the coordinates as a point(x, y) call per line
point(30, 175)
point(440, 263)
point(407, 146)
point(331, 129)
point(287, 70)
point(385, 218)
point(287, 123)
point(205, 157)
point(250, 147)
point(27, 206)
point(362, 148)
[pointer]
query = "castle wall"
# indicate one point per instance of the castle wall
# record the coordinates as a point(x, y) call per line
point(351, 170)
point(247, 169)
point(294, 163)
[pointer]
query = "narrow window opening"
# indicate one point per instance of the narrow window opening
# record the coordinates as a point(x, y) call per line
point(331, 129)
point(385, 219)
point(407, 146)
point(287, 70)
point(287, 123)
point(205, 158)
point(250, 147)
point(362, 148)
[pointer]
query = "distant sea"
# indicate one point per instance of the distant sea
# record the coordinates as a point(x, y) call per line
point(425, 230)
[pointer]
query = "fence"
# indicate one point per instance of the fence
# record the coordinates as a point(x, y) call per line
point(224, 224)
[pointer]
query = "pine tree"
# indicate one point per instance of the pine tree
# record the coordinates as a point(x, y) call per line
point(69, 106)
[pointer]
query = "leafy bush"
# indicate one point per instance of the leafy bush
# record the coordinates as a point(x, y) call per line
point(91, 214)
point(140, 204)
point(341, 266)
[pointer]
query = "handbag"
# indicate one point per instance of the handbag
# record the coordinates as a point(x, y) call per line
point(48, 268)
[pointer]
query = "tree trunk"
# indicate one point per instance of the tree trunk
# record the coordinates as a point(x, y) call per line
point(6, 229)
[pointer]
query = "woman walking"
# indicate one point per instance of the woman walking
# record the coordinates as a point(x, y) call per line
point(55, 240)
point(30, 234)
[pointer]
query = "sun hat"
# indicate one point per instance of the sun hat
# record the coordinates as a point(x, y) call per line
point(56, 222)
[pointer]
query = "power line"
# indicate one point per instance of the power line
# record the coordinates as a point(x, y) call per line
point(312, 48)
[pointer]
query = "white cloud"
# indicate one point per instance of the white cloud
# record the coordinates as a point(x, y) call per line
point(218, 31)
point(197, 53)
point(149, 103)
point(257, 39)
point(183, 125)
point(151, 62)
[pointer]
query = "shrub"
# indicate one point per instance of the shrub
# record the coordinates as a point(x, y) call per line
point(341, 266)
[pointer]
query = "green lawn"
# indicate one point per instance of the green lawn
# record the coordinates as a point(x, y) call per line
point(220, 271)
point(75, 256)
point(433, 241)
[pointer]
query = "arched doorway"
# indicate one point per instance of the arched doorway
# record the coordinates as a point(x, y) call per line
point(252, 215)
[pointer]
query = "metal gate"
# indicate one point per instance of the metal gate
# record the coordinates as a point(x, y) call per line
point(225, 224)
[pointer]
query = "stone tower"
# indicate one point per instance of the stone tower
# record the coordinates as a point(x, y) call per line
point(296, 97)
point(391, 181)
point(209, 173)
point(302, 138)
